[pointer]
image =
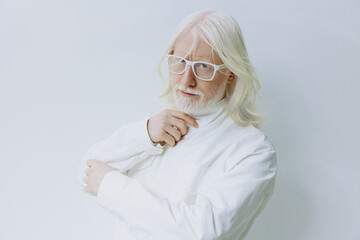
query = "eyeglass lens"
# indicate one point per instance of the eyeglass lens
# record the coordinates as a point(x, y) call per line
point(202, 70)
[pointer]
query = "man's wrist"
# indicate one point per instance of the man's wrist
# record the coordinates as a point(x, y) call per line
point(147, 130)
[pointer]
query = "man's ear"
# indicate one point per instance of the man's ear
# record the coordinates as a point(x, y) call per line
point(231, 78)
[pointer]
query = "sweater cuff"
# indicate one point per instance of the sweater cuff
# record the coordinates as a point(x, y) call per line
point(109, 193)
point(144, 138)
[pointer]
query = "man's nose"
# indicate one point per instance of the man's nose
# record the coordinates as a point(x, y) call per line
point(189, 78)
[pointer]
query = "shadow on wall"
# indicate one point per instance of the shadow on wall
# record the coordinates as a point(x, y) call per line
point(288, 213)
point(287, 216)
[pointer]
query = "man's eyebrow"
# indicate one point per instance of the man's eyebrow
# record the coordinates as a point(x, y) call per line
point(197, 57)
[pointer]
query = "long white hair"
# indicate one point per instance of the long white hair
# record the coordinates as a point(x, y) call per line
point(223, 34)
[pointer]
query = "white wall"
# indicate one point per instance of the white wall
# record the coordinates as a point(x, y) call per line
point(73, 71)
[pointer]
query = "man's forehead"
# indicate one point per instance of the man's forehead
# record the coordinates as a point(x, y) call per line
point(193, 53)
point(195, 48)
point(187, 44)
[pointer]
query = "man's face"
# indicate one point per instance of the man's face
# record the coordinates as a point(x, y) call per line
point(190, 93)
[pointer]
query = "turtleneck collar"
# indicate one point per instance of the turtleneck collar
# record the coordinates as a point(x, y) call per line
point(209, 116)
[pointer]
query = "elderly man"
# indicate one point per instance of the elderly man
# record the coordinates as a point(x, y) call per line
point(201, 169)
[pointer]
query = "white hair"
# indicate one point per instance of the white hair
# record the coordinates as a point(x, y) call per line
point(223, 34)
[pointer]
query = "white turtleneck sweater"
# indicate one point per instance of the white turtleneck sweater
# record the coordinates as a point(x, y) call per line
point(211, 185)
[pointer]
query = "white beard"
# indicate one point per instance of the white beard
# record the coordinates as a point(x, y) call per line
point(189, 105)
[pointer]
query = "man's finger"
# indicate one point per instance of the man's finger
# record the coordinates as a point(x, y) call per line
point(90, 162)
point(169, 140)
point(93, 162)
point(87, 189)
point(179, 124)
point(172, 131)
point(86, 179)
point(186, 117)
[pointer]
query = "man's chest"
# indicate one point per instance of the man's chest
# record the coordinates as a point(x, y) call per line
point(181, 171)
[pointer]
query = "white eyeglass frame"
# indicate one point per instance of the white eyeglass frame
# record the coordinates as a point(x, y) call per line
point(192, 63)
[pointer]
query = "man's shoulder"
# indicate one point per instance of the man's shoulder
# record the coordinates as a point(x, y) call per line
point(245, 143)
point(247, 136)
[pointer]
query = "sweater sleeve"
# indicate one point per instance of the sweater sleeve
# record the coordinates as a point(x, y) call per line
point(222, 209)
point(125, 149)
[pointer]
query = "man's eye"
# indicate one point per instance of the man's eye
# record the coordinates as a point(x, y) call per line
point(204, 66)
point(182, 61)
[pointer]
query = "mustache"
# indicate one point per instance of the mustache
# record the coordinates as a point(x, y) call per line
point(189, 90)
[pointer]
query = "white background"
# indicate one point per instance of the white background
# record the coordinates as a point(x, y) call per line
point(73, 71)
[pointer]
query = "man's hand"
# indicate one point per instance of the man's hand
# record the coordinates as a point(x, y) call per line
point(95, 174)
point(169, 126)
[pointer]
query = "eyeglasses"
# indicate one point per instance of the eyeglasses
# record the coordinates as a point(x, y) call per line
point(202, 70)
